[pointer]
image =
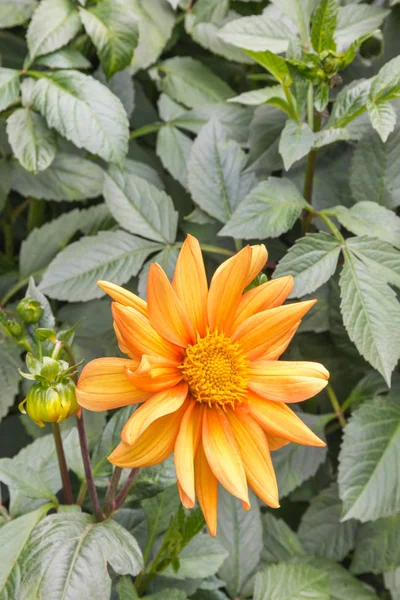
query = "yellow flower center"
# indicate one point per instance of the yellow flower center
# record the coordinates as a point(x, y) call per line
point(215, 369)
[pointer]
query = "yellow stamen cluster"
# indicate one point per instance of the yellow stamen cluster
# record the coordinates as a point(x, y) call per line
point(216, 369)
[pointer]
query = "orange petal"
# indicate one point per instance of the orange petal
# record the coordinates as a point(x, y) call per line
point(186, 501)
point(124, 349)
point(186, 446)
point(256, 457)
point(274, 442)
point(155, 373)
point(123, 296)
point(268, 295)
point(206, 489)
point(257, 333)
point(153, 446)
point(279, 344)
point(166, 312)
point(223, 454)
point(190, 283)
point(259, 256)
point(226, 289)
point(159, 405)
point(279, 420)
point(103, 385)
point(287, 381)
point(139, 336)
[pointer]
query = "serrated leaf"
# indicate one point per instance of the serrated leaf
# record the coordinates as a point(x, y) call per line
point(190, 82)
point(156, 21)
point(240, 533)
point(113, 255)
point(377, 546)
point(139, 206)
point(10, 362)
point(54, 23)
point(368, 218)
point(280, 542)
point(350, 103)
point(386, 84)
point(321, 531)
point(383, 118)
point(9, 87)
point(265, 132)
point(174, 148)
point(323, 26)
point(330, 135)
point(69, 177)
point(300, 12)
point(64, 546)
point(200, 558)
point(16, 12)
point(355, 21)
point(321, 97)
point(113, 29)
point(80, 99)
point(270, 209)
point(311, 261)
point(290, 581)
point(159, 510)
point(65, 58)
point(378, 256)
point(214, 170)
point(296, 141)
point(368, 458)
point(33, 143)
point(121, 85)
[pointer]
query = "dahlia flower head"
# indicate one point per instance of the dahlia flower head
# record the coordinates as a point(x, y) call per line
point(203, 366)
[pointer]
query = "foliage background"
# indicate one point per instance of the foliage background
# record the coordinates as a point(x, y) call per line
point(118, 135)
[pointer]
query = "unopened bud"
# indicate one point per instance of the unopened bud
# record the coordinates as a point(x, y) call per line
point(30, 311)
point(15, 329)
point(51, 404)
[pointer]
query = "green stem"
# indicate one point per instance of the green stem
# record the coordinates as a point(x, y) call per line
point(335, 405)
point(20, 209)
point(109, 502)
point(331, 226)
point(36, 213)
point(82, 493)
point(62, 463)
point(293, 112)
point(94, 499)
point(238, 244)
point(310, 106)
point(146, 129)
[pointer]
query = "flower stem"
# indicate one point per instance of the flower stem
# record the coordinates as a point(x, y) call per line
point(88, 468)
point(124, 491)
point(336, 406)
point(109, 502)
point(62, 463)
point(146, 129)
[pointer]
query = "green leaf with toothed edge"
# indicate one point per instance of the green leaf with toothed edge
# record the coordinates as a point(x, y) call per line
point(291, 581)
point(54, 23)
point(33, 143)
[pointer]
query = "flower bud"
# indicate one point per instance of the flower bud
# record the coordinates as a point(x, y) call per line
point(54, 403)
point(30, 311)
point(15, 329)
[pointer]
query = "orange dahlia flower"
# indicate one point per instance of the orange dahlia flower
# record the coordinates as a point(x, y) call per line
point(204, 364)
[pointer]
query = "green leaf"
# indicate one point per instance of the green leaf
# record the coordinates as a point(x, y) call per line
point(274, 64)
point(265, 131)
point(296, 141)
point(82, 99)
point(368, 218)
point(206, 34)
point(321, 97)
point(321, 531)
point(355, 21)
point(300, 12)
point(54, 23)
point(378, 256)
point(159, 511)
point(47, 321)
point(377, 546)
point(386, 85)
point(188, 81)
point(270, 209)
point(10, 362)
point(139, 206)
point(200, 558)
point(289, 581)
point(240, 533)
point(65, 58)
point(312, 261)
point(280, 542)
point(5, 181)
point(375, 170)
point(156, 21)
point(329, 136)
point(350, 102)
point(214, 169)
point(9, 87)
point(33, 143)
point(323, 26)
point(64, 546)
point(121, 85)
point(174, 148)
point(113, 255)
point(368, 458)
point(270, 95)
point(126, 589)
point(14, 538)
point(167, 594)
point(392, 583)
point(383, 118)
point(16, 12)
point(113, 29)
point(294, 464)
point(69, 177)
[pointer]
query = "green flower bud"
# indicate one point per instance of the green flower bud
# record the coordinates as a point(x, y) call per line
point(15, 329)
point(30, 310)
point(51, 404)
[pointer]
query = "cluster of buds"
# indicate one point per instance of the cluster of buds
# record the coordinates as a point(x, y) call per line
point(29, 312)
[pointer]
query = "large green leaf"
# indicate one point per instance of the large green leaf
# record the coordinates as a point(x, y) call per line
point(296, 141)
point(156, 21)
point(10, 362)
point(356, 20)
point(240, 533)
point(174, 148)
point(214, 172)
point(200, 558)
point(53, 25)
point(312, 261)
point(290, 581)
point(159, 511)
point(280, 542)
point(63, 547)
point(9, 87)
point(321, 531)
point(300, 12)
point(113, 255)
point(378, 256)
point(16, 12)
point(139, 206)
point(87, 113)
point(369, 218)
point(69, 177)
point(368, 459)
point(33, 143)
point(324, 25)
point(270, 209)
point(112, 26)
point(383, 118)
point(371, 314)
point(377, 546)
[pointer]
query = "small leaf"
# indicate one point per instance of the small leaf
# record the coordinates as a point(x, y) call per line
point(113, 255)
point(33, 143)
point(274, 64)
point(65, 58)
point(16, 12)
point(174, 148)
point(200, 558)
point(270, 209)
point(270, 95)
point(296, 141)
point(312, 261)
point(323, 26)
point(291, 581)
point(386, 85)
point(9, 87)
point(54, 23)
point(368, 458)
point(350, 103)
point(378, 256)
point(377, 548)
point(383, 118)
point(368, 218)
point(321, 97)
